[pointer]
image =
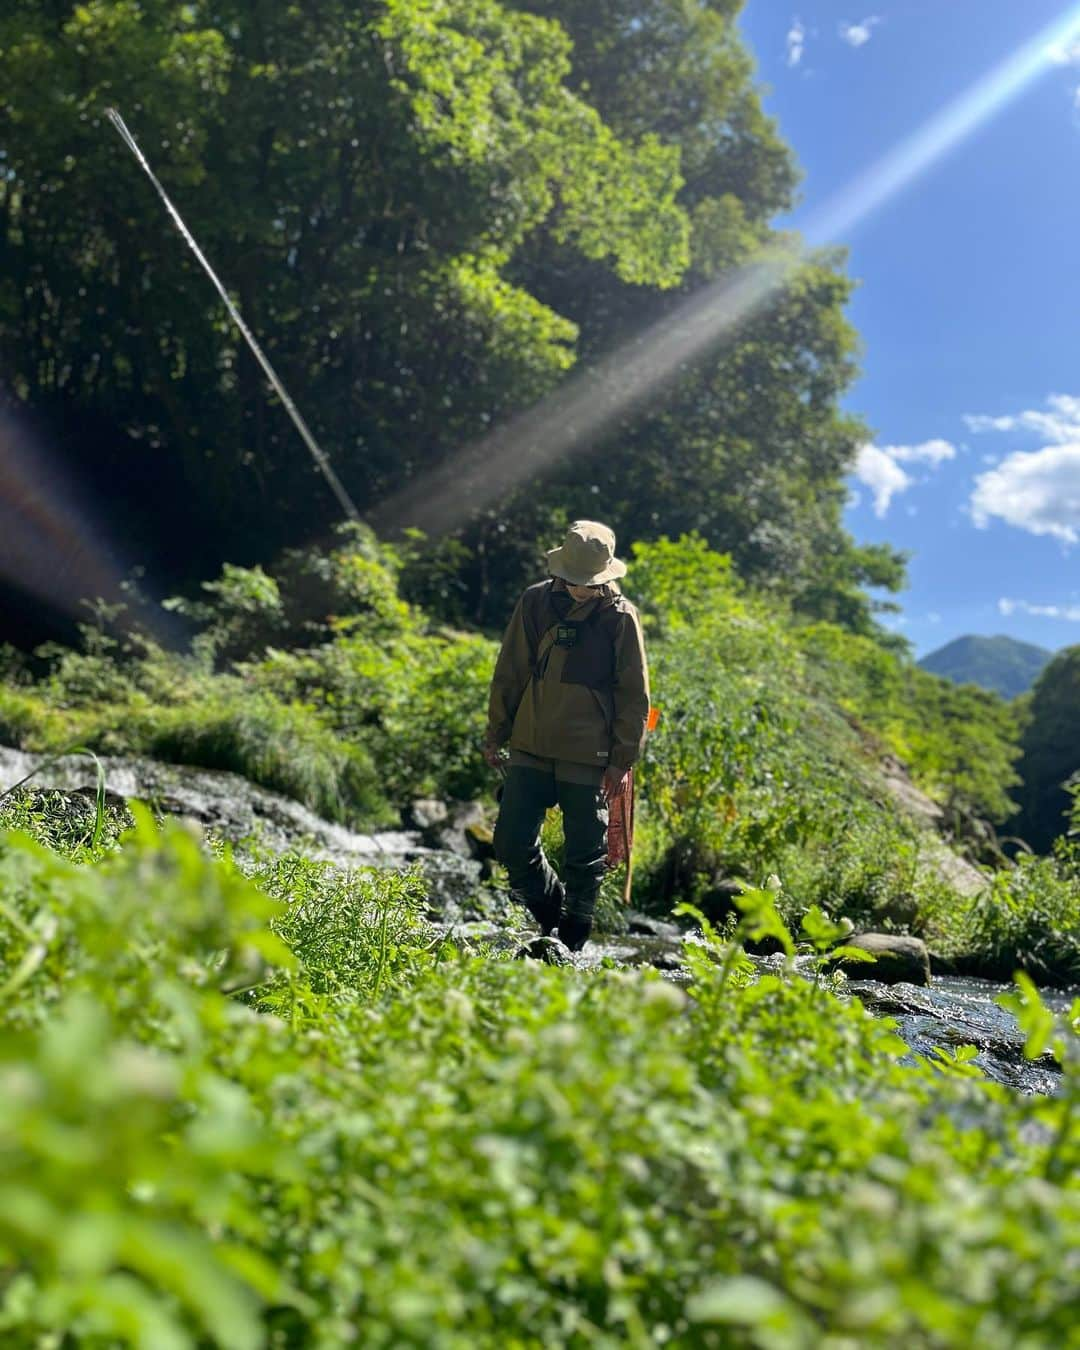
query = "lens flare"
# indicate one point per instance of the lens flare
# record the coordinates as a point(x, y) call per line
point(577, 414)
point(48, 546)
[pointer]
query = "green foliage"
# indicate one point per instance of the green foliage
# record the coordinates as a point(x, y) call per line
point(283, 746)
point(534, 185)
point(960, 742)
point(80, 825)
point(244, 603)
point(1051, 747)
point(365, 179)
point(764, 761)
point(1029, 920)
point(374, 1140)
point(359, 931)
point(756, 769)
point(365, 684)
point(872, 867)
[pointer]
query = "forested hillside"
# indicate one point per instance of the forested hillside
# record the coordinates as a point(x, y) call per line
point(1002, 664)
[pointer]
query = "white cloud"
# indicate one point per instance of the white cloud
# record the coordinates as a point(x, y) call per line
point(1058, 422)
point(796, 43)
point(1037, 491)
point(882, 475)
point(933, 617)
point(1010, 607)
point(928, 452)
point(859, 34)
point(878, 468)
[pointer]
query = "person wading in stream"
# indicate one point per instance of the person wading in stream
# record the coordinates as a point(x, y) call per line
point(570, 697)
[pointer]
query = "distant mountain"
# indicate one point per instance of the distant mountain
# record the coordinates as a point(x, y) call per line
point(999, 663)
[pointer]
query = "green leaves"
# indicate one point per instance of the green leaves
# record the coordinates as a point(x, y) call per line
point(389, 1143)
point(772, 1319)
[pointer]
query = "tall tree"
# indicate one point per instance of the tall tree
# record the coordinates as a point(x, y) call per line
point(746, 444)
point(363, 175)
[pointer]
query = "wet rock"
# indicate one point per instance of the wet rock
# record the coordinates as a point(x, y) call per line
point(458, 892)
point(646, 925)
point(547, 949)
point(224, 803)
point(959, 1012)
point(897, 959)
point(464, 832)
point(633, 949)
point(76, 809)
point(480, 836)
point(718, 900)
point(427, 814)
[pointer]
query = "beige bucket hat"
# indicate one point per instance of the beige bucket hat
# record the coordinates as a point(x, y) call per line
point(586, 556)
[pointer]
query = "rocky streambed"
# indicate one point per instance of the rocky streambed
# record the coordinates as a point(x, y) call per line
point(448, 844)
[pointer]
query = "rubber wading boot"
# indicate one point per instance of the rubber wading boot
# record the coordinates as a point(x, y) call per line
point(549, 914)
point(574, 931)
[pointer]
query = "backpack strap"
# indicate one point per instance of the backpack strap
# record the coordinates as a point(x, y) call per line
point(543, 651)
point(606, 619)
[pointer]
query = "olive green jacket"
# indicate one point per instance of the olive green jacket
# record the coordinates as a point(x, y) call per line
point(571, 681)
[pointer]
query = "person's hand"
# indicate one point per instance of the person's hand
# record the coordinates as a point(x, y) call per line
point(495, 756)
point(614, 784)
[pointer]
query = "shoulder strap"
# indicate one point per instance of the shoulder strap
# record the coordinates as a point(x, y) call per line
point(605, 619)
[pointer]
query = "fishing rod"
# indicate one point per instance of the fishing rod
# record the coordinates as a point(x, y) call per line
point(315, 450)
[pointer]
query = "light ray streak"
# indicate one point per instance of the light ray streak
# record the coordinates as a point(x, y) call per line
point(578, 411)
point(943, 132)
point(575, 414)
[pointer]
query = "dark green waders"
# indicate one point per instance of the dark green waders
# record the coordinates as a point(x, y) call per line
point(567, 905)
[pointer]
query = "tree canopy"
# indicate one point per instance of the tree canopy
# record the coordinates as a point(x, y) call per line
point(429, 212)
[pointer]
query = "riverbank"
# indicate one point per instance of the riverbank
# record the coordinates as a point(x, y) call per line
point(260, 825)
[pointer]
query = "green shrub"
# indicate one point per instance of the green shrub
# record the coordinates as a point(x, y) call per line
point(80, 825)
point(28, 722)
point(1029, 920)
point(283, 746)
point(484, 1153)
point(357, 931)
point(871, 867)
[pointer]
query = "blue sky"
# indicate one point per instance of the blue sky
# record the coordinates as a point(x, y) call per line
point(969, 295)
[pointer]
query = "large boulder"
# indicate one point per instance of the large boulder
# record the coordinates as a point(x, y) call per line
point(897, 959)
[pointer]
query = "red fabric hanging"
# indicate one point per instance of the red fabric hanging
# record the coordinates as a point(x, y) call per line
point(620, 834)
